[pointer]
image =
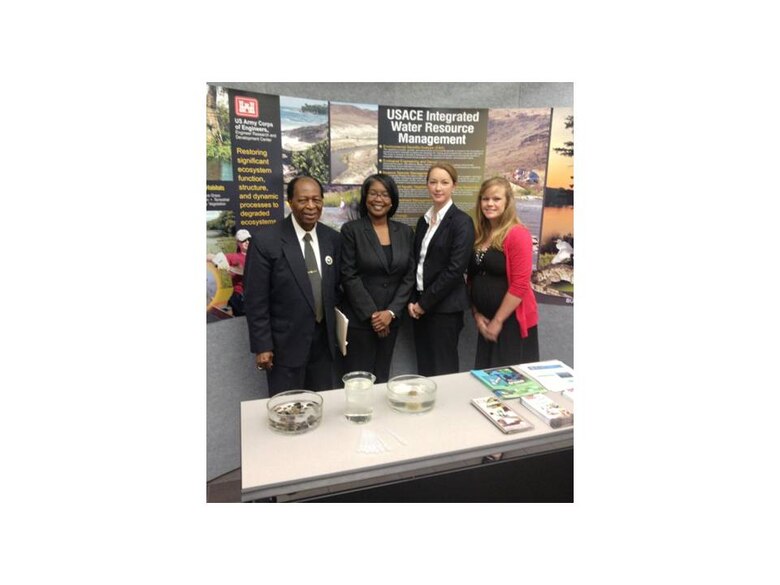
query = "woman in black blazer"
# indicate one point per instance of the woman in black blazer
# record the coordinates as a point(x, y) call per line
point(377, 274)
point(443, 241)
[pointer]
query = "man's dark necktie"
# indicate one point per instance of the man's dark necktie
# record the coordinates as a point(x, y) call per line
point(314, 276)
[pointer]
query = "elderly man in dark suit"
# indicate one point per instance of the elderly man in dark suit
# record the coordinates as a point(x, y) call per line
point(291, 285)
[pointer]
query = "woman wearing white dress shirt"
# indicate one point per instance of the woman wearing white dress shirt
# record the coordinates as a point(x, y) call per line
point(443, 242)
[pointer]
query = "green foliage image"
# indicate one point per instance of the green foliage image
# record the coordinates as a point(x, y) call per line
point(226, 223)
point(218, 142)
point(313, 161)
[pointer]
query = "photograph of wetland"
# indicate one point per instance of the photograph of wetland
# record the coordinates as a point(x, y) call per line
point(340, 205)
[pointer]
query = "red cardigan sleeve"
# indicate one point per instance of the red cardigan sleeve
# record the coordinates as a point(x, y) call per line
point(518, 250)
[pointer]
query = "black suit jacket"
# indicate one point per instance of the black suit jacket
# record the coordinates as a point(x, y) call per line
point(277, 293)
point(446, 261)
point(369, 283)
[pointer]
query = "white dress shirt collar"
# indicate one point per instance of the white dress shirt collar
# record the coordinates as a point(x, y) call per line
point(440, 215)
point(300, 232)
point(429, 233)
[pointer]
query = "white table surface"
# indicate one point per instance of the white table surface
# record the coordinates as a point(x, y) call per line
point(325, 460)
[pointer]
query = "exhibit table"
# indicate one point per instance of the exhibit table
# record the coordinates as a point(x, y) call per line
point(332, 458)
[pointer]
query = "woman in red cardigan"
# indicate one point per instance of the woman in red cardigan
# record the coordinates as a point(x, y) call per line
point(502, 301)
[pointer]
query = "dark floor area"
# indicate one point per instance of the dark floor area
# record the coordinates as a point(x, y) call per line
point(225, 488)
point(542, 478)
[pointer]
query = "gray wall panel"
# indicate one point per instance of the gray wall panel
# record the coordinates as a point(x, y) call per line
point(455, 95)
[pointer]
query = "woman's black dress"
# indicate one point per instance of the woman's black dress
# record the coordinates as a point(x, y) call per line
point(487, 273)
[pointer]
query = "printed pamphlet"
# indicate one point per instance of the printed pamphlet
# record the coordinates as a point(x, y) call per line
point(554, 375)
point(507, 382)
point(548, 410)
point(501, 415)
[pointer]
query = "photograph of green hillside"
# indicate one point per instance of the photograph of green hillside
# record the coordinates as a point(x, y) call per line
point(304, 138)
point(354, 133)
point(219, 164)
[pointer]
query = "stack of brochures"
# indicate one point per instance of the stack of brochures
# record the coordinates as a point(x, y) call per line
point(548, 410)
point(507, 382)
point(554, 375)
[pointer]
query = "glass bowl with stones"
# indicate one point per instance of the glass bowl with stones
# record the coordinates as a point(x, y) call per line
point(294, 412)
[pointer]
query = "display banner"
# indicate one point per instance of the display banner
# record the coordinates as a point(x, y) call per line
point(412, 139)
point(257, 143)
point(246, 178)
point(258, 159)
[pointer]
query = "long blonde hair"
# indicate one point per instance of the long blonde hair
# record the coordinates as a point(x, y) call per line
point(509, 218)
